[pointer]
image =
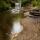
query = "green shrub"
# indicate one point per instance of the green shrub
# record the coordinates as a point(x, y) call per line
point(36, 3)
point(26, 2)
point(4, 4)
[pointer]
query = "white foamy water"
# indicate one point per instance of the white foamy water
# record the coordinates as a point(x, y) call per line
point(17, 27)
point(17, 8)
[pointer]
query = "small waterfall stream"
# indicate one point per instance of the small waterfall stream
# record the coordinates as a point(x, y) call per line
point(17, 27)
point(17, 8)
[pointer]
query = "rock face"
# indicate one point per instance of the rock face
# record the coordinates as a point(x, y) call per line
point(35, 12)
point(5, 25)
point(31, 29)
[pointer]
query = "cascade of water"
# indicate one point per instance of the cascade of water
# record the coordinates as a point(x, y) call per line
point(17, 27)
point(18, 6)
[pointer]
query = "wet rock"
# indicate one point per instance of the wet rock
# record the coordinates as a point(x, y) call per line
point(35, 12)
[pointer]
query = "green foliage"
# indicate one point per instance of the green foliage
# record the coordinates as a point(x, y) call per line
point(26, 2)
point(4, 4)
point(36, 3)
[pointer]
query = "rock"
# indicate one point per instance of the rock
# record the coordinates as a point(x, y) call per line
point(35, 12)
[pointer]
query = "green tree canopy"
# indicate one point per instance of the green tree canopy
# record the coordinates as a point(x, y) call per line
point(7, 3)
point(36, 3)
point(4, 4)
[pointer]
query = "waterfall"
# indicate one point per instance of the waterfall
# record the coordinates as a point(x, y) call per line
point(17, 27)
point(17, 8)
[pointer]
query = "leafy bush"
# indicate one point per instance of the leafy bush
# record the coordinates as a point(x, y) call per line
point(4, 4)
point(36, 3)
point(26, 2)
